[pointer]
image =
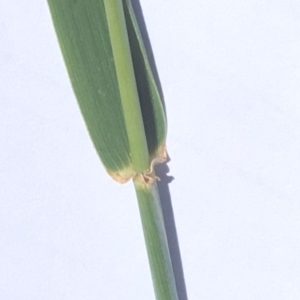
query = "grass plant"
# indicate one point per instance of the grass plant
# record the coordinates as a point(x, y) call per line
point(112, 79)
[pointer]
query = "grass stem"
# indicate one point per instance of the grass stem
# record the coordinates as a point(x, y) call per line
point(127, 85)
point(156, 240)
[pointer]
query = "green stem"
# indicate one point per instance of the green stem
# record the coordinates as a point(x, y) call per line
point(156, 240)
point(127, 85)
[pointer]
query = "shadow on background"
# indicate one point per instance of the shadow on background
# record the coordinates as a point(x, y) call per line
point(166, 204)
point(161, 172)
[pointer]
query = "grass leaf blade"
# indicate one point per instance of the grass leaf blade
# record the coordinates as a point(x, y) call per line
point(85, 43)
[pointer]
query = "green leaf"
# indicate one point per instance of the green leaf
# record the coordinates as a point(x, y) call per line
point(84, 37)
point(85, 43)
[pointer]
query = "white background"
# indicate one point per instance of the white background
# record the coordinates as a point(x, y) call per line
point(230, 72)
